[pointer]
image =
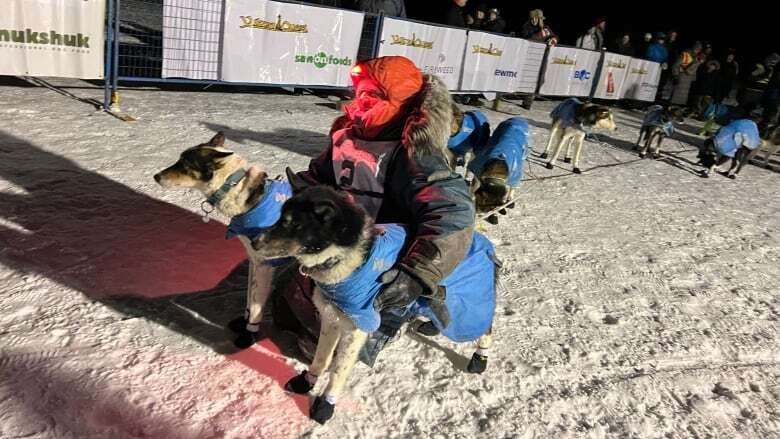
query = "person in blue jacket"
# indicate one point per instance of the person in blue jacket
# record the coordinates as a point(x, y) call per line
point(657, 51)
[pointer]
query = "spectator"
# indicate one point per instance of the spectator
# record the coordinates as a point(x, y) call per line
point(706, 54)
point(391, 8)
point(647, 40)
point(536, 30)
point(623, 45)
point(672, 46)
point(456, 13)
point(657, 51)
point(771, 99)
point(684, 73)
point(729, 70)
point(478, 21)
point(673, 51)
point(708, 86)
point(594, 38)
point(495, 22)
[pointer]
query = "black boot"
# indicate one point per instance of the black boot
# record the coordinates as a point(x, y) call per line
point(478, 363)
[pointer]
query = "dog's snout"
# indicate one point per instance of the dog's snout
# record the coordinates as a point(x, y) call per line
point(157, 178)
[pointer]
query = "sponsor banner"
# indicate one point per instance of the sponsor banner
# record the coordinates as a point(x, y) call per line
point(642, 80)
point(613, 75)
point(191, 33)
point(284, 43)
point(434, 49)
point(63, 38)
point(492, 62)
point(570, 72)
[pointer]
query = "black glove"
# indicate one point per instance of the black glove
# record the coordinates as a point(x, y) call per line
point(398, 291)
point(299, 384)
point(321, 410)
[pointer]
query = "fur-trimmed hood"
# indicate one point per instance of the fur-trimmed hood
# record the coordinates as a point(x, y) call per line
point(426, 128)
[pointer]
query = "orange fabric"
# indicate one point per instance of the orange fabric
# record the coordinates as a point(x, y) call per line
point(398, 79)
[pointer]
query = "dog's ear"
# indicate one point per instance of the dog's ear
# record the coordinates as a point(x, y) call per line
point(296, 182)
point(325, 212)
point(218, 140)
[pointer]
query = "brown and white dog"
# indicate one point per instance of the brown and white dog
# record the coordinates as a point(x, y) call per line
point(572, 120)
point(212, 169)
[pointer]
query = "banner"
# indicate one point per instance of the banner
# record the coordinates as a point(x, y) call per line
point(570, 71)
point(53, 38)
point(434, 49)
point(492, 62)
point(642, 80)
point(285, 43)
point(191, 32)
point(532, 64)
point(613, 75)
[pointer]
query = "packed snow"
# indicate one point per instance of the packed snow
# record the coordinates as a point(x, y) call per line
point(637, 300)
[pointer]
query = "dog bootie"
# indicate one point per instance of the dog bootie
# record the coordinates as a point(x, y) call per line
point(478, 363)
point(238, 325)
point(321, 410)
point(246, 339)
point(299, 384)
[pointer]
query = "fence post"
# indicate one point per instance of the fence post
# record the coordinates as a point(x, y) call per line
point(597, 74)
point(115, 61)
point(108, 57)
point(380, 21)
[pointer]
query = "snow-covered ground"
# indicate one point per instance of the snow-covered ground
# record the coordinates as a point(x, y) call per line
point(637, 300)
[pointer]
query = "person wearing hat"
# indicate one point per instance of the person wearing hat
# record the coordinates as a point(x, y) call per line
point(594, 38)
point(389, 152)
point(495, 23)
point(657, 51)
point(535, 29)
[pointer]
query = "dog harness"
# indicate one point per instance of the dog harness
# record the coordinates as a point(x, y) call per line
point(264, 215)
point(510, 144)
point(566, 112)
point(741, 132)
point(655, 118)
point(470, 288)
point(474, 133)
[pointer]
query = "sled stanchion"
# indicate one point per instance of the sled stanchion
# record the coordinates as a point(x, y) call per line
point(108, 55)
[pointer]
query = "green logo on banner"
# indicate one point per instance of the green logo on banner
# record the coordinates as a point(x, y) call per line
point(323, 59)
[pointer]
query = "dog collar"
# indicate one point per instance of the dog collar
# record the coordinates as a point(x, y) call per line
point(327, 265)
point(219, 195)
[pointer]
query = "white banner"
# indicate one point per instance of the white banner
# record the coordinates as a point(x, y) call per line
point(284, 43)
point(613, 75)
point(532, 64)
point(642, 80)
point(191, 31)
point(492, 62)
point(570, 71)
point(52, 38)
point(434, 49)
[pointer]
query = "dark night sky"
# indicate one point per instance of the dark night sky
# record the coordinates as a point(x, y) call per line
point(754, 32)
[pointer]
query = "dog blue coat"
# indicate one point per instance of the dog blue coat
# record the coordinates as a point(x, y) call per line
point(470, 288)
point(474, 133)
point(741, 132)
point(510, 144)
point(654, 118)
point(566, 112)
point(265, 214)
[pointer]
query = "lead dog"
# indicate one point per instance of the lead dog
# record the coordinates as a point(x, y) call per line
point(247, 196)
point(771, 144)
point(572, 120)
point(349, 259)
